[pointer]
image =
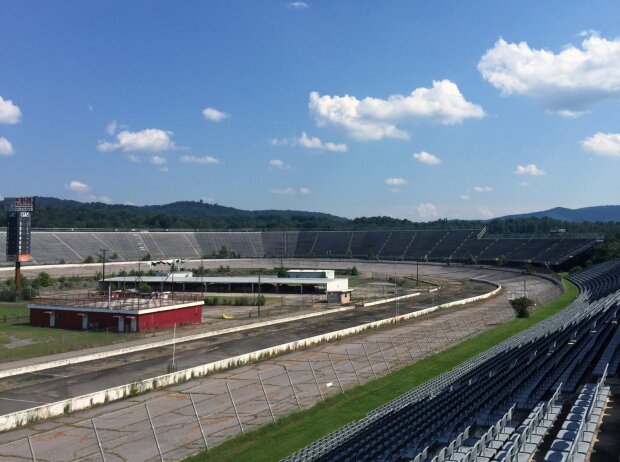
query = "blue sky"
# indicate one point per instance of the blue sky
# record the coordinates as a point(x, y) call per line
point(418, 110)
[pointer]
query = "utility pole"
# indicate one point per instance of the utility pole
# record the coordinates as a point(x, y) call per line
point(102, 256)
point(258, 300)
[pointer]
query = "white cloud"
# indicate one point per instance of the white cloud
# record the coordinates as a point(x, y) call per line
point(133, 158)
point(111, 128)
point(567, 83)
point(427, 158)
point(297, 5)
point(104, 199)
point(158, 160)
point(214, 115)
point(9, 112)
point(151, 139)
point(6, 148)
point(208, 199)
point(291, 191)
point(464, 197)
point(199, 160)
point(278, 141)
point(523, 184)
point(78, 186)
point(427, 211)
point(374, 118)
point(312, 142)
point(278, 164)
point(603, 144)
point(395, 181)
point(483, 189)
point(485, 211)
point(287, 191)
point(164, 169)
point(529, 169)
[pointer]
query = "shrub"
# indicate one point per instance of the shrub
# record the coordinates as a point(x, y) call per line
point(89, 259)
point(521, 306)
point(354, 271)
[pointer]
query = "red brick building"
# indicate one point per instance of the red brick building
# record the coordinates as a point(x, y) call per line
point(121, 312)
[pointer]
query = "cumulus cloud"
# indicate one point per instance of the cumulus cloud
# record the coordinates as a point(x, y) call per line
point(395, 181)
point(523, 184)
point(312, 142)
point(603, 144)
point(427, 158)
point(151, 139)
point(464, 197)
point(529, 169)
point(297, 5)
point(427, 211)
point(158, 160)
point(133, 158)
point(6, 148)
point(214, 115)
point(199, 160)
point(78, 186)
point(374, 118)
point(483, 189)
point(485, 212)
point(304, 191)
point(567, 83)
point(278, 164)
point(9, 112)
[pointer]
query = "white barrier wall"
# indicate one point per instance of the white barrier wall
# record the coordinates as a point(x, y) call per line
point(16, 419)
point(132, 349)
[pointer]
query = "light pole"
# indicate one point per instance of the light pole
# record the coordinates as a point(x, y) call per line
point(102, 256)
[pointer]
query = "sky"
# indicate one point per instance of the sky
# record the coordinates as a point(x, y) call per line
point(411, 109)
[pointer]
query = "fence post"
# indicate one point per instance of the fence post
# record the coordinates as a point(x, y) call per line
point(234, 407)
point(292, 387)
point(369, 361)
point(34, 459)
point(266, 397)
point(353, 364)
point(335, 372)
point(154, 434)
point(204, 437)
point(315, 380)
point(98, 440)
point(383, 356)
point(396, 351)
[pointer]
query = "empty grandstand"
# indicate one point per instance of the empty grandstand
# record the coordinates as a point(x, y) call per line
point(502, 404)
point(52, 247)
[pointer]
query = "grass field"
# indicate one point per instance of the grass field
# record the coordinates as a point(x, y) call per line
point(19, 340)
point(294, 431)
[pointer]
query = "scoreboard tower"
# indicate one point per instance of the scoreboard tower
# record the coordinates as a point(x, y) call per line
point(19, 214)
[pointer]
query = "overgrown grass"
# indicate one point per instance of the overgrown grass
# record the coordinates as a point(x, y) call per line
point(19, 340)
point(277, 440)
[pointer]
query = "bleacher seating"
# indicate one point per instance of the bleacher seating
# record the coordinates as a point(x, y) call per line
point(460, 415)
point(50, 247)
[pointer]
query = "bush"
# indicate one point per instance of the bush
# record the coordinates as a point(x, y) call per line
point(147, 257)
point(89, 259)
point(354, 271)
point(282, 273)
point(575, 269)
point(521, 306)
point(43, 279)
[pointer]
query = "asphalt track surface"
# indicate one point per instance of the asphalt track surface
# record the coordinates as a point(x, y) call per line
point(51, 385)
point(124, 428)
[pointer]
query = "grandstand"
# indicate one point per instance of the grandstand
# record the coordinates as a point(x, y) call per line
point(52, 247)
point(502, 404)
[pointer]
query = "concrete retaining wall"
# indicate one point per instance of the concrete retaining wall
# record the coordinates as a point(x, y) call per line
point(388, 300)
point(10, 421)
point(158, 344)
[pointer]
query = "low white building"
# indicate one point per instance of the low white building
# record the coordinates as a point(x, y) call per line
point(311, 273)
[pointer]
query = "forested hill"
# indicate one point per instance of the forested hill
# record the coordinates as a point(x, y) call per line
point(61, 213)
point(601, 213)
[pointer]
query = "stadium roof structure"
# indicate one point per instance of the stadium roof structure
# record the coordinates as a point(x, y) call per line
point(331, 285)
